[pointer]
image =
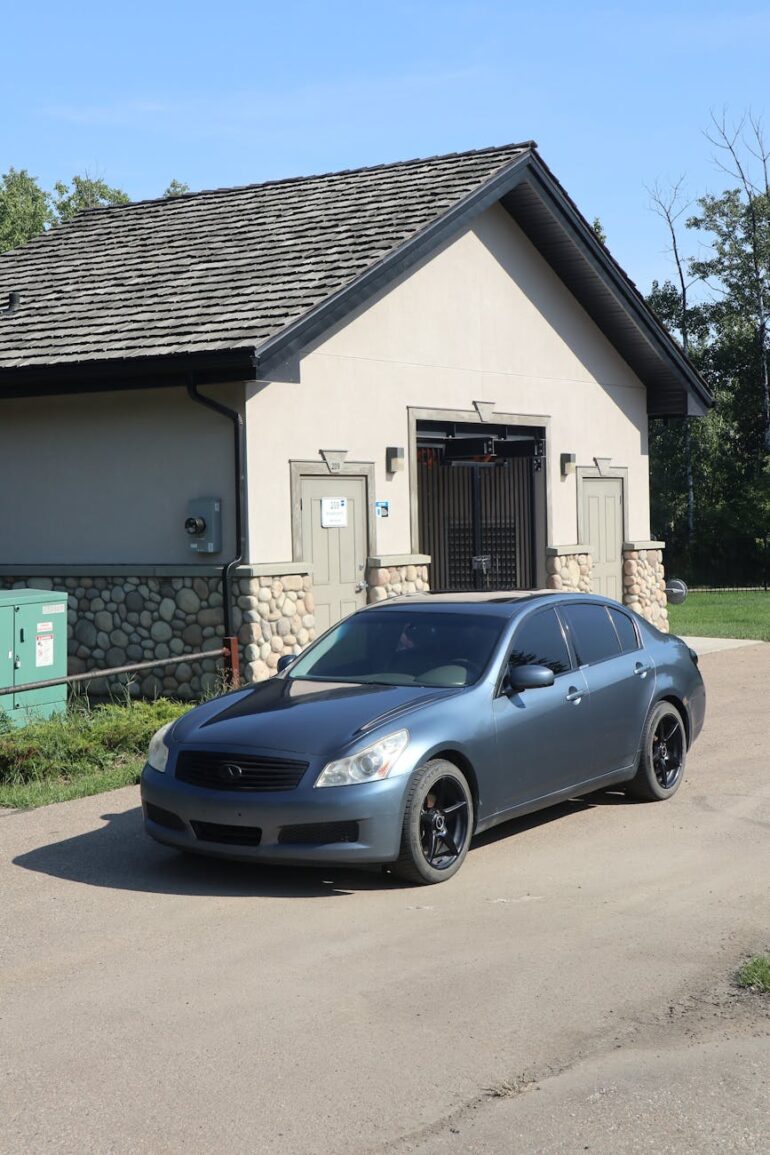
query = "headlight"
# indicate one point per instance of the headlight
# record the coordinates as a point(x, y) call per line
point(376, 761)
point(157, 755)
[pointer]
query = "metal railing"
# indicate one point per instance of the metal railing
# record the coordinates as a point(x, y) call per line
point(229, 651)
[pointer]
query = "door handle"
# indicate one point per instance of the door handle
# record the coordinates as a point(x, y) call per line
point(361, 586)
point(640, 669)
point(574, 695)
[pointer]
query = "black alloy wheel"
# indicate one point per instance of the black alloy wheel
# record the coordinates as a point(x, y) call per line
point(668, 750)
point(438, 824)
point(662, 759)
point(443, 822)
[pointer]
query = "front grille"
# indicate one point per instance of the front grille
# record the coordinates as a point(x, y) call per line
point(163, 817)
point(319, 833)
point(217, 771)
point(232, 835)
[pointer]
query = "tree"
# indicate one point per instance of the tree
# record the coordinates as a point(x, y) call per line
point(85, 192)
point(176, 189)
point(739, 223)
point(710, 479)
point(25, 208)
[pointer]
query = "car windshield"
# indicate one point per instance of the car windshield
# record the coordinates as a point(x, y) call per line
point(402, 648)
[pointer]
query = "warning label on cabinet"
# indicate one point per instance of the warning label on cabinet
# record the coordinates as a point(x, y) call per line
point(44, 649)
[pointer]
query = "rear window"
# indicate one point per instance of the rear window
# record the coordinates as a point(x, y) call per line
point(593, 634)
point(626, 631)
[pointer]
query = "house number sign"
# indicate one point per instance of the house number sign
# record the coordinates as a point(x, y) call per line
point(334, 512)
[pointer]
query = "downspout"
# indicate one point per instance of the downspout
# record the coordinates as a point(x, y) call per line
point(238, 494)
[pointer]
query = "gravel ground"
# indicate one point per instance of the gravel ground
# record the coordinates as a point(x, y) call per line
point(150, 1003)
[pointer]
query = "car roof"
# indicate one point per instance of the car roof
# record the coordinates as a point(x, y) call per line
point(503, 603)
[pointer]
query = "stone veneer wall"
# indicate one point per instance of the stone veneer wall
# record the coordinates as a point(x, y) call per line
point(389, 582)
point(569, 569)
point(113, 621)
point(644, 585)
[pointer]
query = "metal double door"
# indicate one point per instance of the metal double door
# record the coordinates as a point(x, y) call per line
point(476, 522)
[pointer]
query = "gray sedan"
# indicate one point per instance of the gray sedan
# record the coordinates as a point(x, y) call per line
point(418, 722)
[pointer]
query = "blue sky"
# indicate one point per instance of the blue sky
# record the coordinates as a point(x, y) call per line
point(617, 95)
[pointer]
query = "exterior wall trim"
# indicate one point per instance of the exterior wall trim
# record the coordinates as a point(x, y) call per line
point(415, 414)
point(644, 545)
point(566, 550)
point(168, 570)
point(385, 560)
point(300, 469)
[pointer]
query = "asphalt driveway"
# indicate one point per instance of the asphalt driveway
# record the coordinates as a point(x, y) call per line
point(150, 1003)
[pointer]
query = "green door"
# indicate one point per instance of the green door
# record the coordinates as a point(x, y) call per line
point(40, 643)
point(6, 658)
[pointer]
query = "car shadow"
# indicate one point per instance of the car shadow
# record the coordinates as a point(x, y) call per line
point(572, 806)
point(119, 856)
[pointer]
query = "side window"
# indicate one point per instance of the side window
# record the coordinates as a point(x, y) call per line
point(626, 631)
point(593, 634)
point(539, 641)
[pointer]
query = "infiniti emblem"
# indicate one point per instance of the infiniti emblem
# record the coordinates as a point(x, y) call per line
point(230, 772)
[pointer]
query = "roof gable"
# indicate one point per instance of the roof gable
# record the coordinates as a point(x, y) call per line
point(229, 275)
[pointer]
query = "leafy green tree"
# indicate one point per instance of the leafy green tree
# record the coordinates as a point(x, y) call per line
point(25, 208)
point(176, 189)
point(738, 222)
point(710, 478)
point(84, 192)
point(598, 228)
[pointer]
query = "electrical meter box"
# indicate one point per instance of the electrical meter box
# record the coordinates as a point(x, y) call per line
point(33, 648)
point(203, 524)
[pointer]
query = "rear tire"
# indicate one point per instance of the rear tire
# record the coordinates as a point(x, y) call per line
point(438, 824)
point(661, 762)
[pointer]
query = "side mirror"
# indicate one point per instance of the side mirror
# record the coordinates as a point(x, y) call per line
point(521, 678)
point(676, 592)
point(284, 662)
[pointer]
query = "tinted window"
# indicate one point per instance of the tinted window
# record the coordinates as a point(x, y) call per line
point(593, 634)
point(626, 631)
point(401, 647)
point(539, 641)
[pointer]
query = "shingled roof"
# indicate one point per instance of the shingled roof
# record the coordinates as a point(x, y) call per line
point(252, 273)
point(217, 270)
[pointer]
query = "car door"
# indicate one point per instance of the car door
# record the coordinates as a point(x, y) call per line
point(620, 677)
point(543, 736)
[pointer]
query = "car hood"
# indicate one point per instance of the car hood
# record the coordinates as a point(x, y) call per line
point(302, 716)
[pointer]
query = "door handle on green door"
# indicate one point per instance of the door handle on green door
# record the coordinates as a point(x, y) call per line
point(361, 586)
point(574, 695)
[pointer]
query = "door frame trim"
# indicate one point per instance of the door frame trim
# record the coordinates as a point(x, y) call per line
point(590, 472)
point(301, 469)
point(542, 517)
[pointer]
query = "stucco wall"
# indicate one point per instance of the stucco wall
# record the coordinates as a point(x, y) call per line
point(105, 478)
point(484, 319)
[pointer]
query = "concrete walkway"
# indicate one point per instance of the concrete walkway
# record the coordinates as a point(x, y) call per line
point(716, 645)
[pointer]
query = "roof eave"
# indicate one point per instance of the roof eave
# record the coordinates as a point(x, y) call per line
point(100, 376)
point(694, 398)
point(299, 333)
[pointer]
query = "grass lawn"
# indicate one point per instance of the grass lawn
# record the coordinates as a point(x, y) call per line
point(84, 751)
point(755, 974)
point(723, 615)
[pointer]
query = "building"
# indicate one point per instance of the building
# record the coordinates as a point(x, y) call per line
point(421, 374)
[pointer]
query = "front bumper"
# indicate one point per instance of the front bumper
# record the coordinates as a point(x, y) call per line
point(372, 810)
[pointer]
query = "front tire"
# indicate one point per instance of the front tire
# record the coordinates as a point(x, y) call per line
point(661, 762)
point(438, 824)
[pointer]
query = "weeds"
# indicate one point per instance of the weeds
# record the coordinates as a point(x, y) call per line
point(755, 974)
point(82, 751)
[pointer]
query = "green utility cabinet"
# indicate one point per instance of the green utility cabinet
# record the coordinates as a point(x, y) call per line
point(33, 648)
